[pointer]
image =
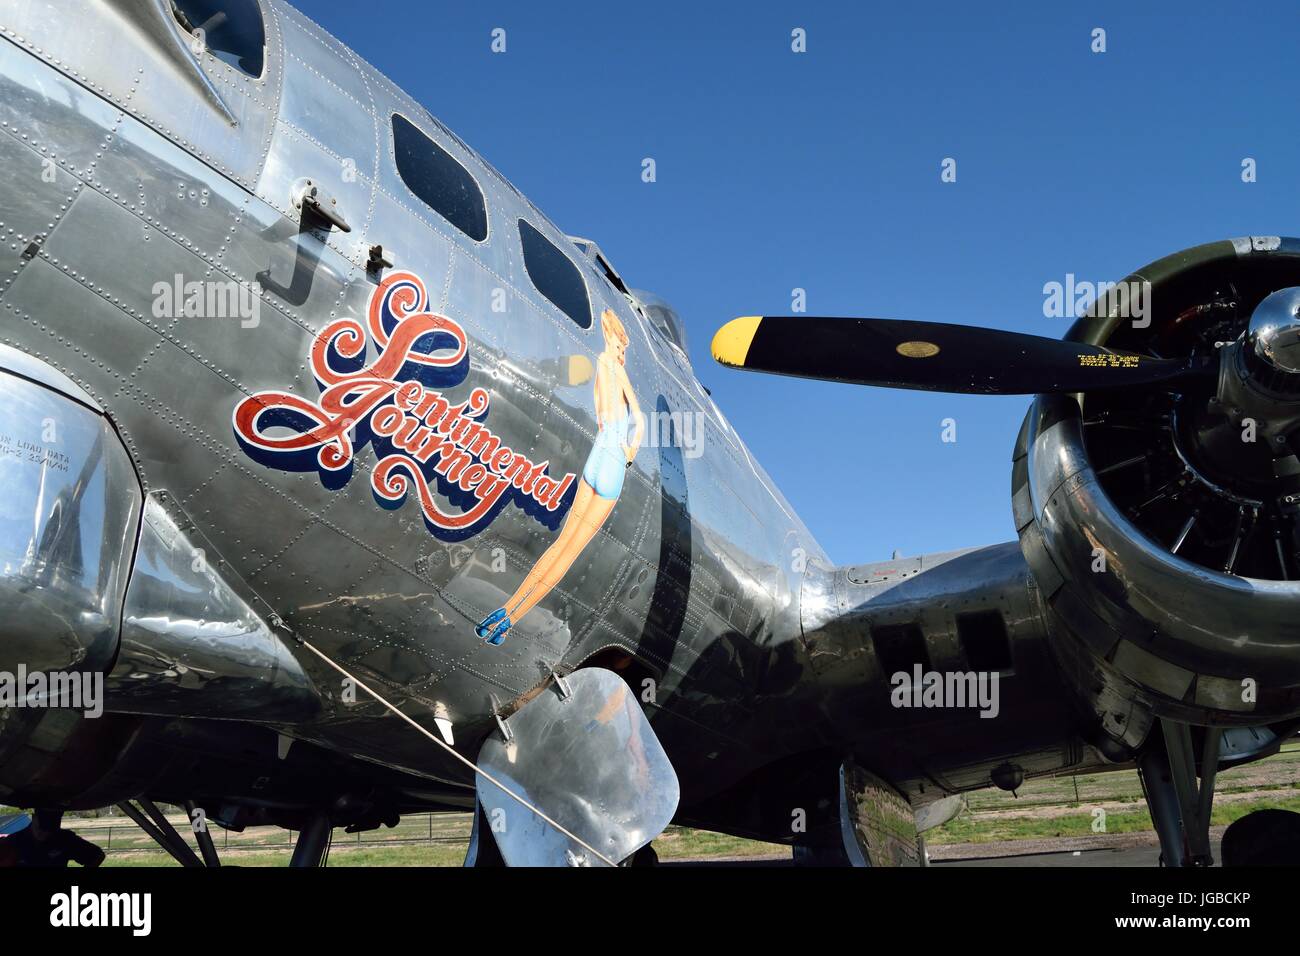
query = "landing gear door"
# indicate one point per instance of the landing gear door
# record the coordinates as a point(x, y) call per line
point(584, 754)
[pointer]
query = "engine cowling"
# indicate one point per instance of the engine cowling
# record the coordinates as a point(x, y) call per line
point(1163, 526)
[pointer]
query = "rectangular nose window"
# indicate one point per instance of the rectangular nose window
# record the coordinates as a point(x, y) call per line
point(555, 275)
point(899, 647)
point(437, 180)
point(983, 636)
point(232, 30)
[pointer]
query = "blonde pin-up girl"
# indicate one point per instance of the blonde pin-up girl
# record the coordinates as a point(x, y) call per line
point(598, 491)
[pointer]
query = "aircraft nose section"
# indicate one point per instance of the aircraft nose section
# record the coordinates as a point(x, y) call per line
point(69, 513)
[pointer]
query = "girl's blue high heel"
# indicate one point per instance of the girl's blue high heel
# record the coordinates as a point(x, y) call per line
point(485, 626)
point(499, 633)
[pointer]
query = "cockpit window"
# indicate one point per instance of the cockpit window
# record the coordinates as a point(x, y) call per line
point(663, 317)
point(231, 30)
point(555, 275)
point(667, 325)
point(441, 183)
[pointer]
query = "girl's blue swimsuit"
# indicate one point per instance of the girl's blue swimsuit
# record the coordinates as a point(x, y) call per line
point(607, 464)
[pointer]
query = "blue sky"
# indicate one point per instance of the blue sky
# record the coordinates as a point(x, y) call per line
point(821, 170)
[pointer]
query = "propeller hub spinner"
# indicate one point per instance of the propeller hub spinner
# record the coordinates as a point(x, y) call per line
point(1274, 332)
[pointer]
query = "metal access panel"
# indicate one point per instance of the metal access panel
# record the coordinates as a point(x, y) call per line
point(584, 754)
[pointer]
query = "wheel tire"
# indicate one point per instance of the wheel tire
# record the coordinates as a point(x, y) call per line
point(1263, 838)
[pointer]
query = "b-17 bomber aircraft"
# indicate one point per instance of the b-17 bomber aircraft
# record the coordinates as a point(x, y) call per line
point(340, 484)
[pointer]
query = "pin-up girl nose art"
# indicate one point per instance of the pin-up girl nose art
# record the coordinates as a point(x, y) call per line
point(602, 482)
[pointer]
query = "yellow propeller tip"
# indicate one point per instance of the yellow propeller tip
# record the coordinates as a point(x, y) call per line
point(731, 342)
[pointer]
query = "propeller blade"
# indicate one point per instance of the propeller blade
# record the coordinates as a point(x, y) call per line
point(936, 357)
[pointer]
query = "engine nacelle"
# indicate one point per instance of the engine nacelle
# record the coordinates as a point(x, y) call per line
point(69, 515)
point(1167, 556)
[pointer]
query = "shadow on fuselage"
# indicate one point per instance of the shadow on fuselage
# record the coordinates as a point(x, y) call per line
point(672, 585)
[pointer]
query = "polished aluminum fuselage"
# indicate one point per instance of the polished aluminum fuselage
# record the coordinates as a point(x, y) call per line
point(152, 181)
point(128, 162)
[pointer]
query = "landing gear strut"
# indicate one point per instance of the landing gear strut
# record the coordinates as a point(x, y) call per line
point(159, 829)
point(156, 825)
point(313, 841)
point(203, 836)
point(1180, 807)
